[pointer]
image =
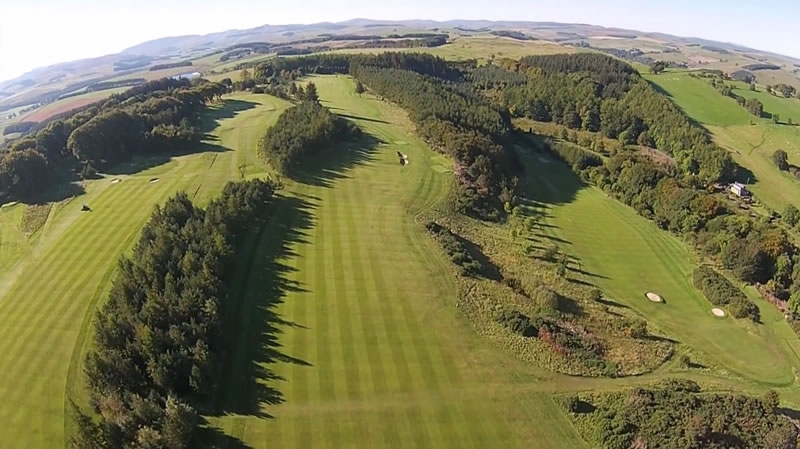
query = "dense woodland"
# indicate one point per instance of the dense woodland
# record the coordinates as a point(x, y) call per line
point(158, 338)
point(156, 117)
point(600, 94)
point(302, 130)
point(677, 414)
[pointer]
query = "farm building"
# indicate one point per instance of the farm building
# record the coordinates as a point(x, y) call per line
point(739, 189)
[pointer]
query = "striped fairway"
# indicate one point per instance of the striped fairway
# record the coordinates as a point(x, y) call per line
point(375, 355)
point(48, 298)
point(368, 348)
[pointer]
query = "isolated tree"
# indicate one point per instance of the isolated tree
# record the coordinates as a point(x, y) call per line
point(776, 118)
point(245, 75)
point(311, 93)
point(658, 67)
point(360, 89)
point(781, 159)
point(753, 87)
point(755, 107)
point(791, 215)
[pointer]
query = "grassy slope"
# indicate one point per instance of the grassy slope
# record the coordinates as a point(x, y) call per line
point(48, 298)
point(750, 145)
point(627, 256)
point(480, 48)
point(376, 357)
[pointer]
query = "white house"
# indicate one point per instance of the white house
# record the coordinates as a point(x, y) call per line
point(739, 189)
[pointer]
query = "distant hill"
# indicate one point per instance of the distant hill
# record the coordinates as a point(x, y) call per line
point(46, 83)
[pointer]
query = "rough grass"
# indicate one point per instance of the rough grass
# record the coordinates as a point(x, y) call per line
point(34, 217)
point(626, 256)
point(48, 297)
point(482, 298)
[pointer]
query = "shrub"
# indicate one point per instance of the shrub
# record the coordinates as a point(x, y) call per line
point(456, 248)
point(518, 323)
point(721, 292)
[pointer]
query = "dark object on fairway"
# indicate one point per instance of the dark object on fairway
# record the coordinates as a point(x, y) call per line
point(403, 158)
point(86, 208)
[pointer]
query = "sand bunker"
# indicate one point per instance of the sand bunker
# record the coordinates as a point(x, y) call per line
point(653, 297)
point(114, 181)
point(154, 180)
point(718, 312)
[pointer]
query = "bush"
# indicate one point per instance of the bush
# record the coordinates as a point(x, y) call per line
point(791, 215)
point(720, 292)
point(677, 414)
point(456, 248)
point(518, 323)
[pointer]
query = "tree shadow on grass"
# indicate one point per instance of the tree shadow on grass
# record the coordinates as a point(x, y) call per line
point(252, 324)
point(210, 437)
point(211, 117)
point(209, 120)
point(58, 192)
point(140, 163)
point(545, 183)
point(326, 168)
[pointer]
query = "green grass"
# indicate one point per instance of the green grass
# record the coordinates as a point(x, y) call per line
point(699, 100)
point(350, 295)
point(785, 107)
point(478, 47)
point(627, 256)
point(389, 364)
point(48, 297)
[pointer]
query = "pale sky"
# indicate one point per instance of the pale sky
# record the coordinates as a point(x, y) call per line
point(35, 33)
